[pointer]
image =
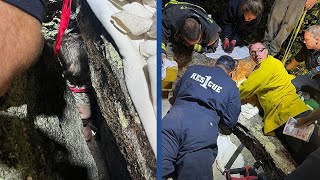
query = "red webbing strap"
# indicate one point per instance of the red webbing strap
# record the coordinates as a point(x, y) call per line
point(64, 21)
point(78, 89)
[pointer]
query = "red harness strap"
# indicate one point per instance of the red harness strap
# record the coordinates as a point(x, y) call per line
point(78, 89)
point(64, 21)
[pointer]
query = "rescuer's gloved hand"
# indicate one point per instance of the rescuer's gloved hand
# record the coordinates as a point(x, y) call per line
point(225, 43)
point(231, 46)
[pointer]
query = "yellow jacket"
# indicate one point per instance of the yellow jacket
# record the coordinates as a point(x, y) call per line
point(276, 94)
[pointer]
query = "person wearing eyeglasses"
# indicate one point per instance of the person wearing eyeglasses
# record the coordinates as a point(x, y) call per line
point(310, 54)
point(240, 19)
point(204, 97)
point(189, 25)
point(272, 85)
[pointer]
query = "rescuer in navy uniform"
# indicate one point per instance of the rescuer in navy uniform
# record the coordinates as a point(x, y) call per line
point(203, 97)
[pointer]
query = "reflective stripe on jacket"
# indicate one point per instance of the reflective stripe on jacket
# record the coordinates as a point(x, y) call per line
point(173, 17)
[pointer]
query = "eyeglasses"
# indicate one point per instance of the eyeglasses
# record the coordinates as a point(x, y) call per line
point(253, 53)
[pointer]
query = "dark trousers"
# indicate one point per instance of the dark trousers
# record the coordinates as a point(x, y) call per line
point(302, 82)
point(283, 17)
point(299, 149)
point(189, 145)
point(193, 165)
point(196, 165)
point(309, 169)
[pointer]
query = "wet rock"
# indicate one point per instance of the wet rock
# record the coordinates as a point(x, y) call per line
point(41, 136)
point(275, 158)
point(123, 138)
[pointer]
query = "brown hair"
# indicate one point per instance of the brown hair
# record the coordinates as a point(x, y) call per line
point(256, 42)
point(191, 29)
point(253, 6)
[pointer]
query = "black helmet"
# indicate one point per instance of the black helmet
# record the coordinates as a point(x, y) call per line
point(228, 62)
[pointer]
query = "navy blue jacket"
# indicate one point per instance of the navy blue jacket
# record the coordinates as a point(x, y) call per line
point(212, 90)
point(204, 95)
point(173, 17)
point(35, 8)
point(233, 24)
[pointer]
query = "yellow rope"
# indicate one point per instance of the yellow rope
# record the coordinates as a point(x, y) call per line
point(293, 37)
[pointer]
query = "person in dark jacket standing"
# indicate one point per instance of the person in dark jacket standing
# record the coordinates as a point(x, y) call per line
point(239, 20)
point(190, 25)
point(203, 97)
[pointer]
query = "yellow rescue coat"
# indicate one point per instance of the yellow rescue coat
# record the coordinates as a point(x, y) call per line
point(276, 94)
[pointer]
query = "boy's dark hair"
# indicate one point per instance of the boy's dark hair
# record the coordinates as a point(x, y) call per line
point(228, 62)
point(191, 29)
point(74, 60)
point(253, 6)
